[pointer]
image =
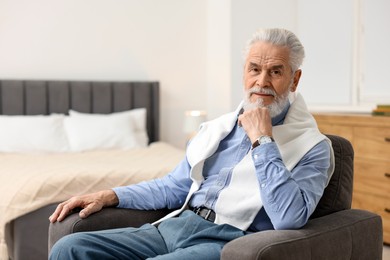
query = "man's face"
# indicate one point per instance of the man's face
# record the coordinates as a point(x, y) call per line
point(268, 74)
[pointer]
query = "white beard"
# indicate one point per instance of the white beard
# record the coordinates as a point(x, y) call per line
point(275, 108)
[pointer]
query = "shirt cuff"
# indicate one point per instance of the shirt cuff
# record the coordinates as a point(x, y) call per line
point(262, 157)
point(125, 201)
point(265, 153)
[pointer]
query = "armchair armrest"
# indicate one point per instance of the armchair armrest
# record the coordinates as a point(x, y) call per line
point(107, 218)
point(334, 236)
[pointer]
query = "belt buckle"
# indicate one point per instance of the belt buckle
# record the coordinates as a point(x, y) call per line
point(208, 213)
point(197, 210)
point(203, 212)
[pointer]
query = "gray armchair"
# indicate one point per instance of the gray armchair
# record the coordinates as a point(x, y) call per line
point(335, 231)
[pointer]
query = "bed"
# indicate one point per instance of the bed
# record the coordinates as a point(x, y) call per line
point(62, 164)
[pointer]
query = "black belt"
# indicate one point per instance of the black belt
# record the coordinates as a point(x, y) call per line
point(207, 214)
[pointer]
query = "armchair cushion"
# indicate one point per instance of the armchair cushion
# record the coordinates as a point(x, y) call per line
point(338, 194)
point(348, 234)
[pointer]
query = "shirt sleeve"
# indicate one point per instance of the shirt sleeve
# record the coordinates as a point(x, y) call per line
point(289, 198)
point(169, 191)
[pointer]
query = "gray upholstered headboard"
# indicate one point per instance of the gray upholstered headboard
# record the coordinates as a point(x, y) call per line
point(33, 97)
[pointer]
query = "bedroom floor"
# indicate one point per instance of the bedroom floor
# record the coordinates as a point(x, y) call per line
point(386, 253)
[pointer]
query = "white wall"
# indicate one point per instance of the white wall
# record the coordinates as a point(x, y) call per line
point(326, 30)
point(219, 59)
point(192, 47)
point(112, 40)
point(374, 51)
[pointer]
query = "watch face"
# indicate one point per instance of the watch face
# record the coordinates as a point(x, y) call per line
point(265, 139)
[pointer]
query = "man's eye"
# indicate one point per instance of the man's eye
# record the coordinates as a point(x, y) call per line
point(276, 72)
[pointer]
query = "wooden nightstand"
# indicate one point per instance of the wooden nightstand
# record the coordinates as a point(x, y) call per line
point(370, 137)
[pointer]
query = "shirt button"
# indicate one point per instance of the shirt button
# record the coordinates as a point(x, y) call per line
point(256, 156)
point(262, 185)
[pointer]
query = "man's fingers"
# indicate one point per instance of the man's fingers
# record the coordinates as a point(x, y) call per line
point(53, 218)
point(90, 209)
point(63, 210)
point(256, 122)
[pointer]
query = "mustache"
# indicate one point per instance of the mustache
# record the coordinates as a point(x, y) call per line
point(259, 90)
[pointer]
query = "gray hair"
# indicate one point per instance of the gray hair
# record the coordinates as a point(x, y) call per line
point(280, 37)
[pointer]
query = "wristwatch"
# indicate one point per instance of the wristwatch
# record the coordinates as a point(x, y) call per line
point(262, 140)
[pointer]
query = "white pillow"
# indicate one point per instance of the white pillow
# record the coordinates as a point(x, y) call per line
point(33, 134)
point(122, 130)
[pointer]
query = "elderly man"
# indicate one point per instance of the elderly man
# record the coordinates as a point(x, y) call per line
point(264, 166)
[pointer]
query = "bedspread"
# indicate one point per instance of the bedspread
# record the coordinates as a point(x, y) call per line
point(31, 181)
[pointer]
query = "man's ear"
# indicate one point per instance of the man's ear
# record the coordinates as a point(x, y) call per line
point(297, 76)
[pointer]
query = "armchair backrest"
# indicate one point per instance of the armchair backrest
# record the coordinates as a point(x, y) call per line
point(338, 194)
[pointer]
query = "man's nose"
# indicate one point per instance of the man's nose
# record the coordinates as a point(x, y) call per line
point(263, 79)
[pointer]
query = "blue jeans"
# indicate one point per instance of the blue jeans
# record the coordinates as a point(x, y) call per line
point(185, 237)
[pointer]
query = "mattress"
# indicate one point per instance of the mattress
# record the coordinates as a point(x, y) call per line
point(30, 181)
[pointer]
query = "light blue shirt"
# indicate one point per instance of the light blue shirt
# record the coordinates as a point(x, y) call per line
point(289, 198)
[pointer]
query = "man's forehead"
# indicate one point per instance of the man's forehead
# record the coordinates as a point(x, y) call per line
point(267, 53)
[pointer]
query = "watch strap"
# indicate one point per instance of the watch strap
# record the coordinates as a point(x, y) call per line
point(262, 140)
